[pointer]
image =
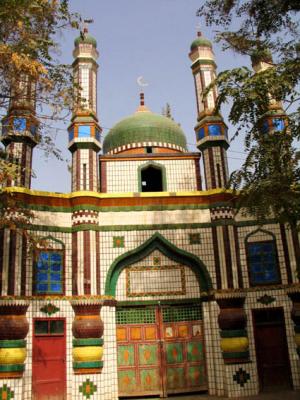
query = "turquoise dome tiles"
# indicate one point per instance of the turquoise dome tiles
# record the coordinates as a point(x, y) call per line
point(144, 127)
point(200, 41)
point(86, 38)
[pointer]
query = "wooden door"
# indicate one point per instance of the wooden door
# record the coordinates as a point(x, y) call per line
point(271, 349)
point(49, 359)
point(160, 350)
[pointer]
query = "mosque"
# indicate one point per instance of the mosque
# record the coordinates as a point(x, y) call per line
point(146, 281)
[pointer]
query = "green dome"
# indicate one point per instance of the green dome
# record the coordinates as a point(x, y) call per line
point(144, 127)
point(86, 38)
point(200, 41)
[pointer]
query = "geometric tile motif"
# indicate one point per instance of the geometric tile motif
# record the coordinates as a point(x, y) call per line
point(174, 352)
point(148, 354)
point(241, 377)
point(118, 241)
point(266, 299)
point(49, 309)
point(126, 381)
point(125, 355)
point(149, 379)
point(6, 393)
point(195, 238)
point(88, 388)
point(156, 261)
point(196, 376)
point(175, 378)
point(195, 351)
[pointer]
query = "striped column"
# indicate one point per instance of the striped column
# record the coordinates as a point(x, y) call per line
point(232, 322)
point(85, 253)
point(14, 327)
point(87, 331)
point(12, 263)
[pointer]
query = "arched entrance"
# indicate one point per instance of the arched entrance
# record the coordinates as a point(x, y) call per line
point(160, 335)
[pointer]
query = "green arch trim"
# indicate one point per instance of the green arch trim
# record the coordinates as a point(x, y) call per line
point(260, 230)
point(157, 242)
point(154, 165)
point(52, 238)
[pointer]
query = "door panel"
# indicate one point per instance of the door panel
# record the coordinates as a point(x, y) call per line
point(271, 349)
point(48, 361)
point(162, 353)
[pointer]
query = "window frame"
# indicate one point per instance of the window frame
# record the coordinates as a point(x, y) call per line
point(34, 280)
point(277, 265)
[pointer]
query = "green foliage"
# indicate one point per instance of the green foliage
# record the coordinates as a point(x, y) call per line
point(268, 183)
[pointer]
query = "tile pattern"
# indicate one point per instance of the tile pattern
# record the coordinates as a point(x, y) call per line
point(87, 388)
point(241, 377)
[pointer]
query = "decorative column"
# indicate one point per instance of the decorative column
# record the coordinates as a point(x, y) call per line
point(87, 331)
point(14, 327)
point(295, 315)
point(211, 131)
point(232, 323)
point(84, 130)
point(20, 130)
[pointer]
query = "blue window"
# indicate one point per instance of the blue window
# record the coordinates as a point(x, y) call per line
point(33, 130)
point(49, 273)
point(214, 130)
point(262, 263)
point(19, 124)
point(84, 131)
point(98, 135)
point(201, 133)
point(71, 134)
point(265, 127)
point(278, 124)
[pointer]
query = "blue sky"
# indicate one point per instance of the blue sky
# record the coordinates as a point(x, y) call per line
point(138, 37)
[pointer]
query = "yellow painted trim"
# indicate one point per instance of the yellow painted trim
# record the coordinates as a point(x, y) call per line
point(297, 339)
point(236, 344)
point(12, 355)
point(73, 195)
point(87, 353)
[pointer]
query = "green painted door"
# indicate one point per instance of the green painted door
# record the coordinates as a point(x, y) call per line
point(160, 350)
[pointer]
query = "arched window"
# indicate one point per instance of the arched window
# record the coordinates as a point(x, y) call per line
point(262, 259)
point(152, 178)
point(48, 272)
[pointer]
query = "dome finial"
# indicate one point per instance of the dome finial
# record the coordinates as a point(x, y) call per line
point(198, 27)
point(141, 82)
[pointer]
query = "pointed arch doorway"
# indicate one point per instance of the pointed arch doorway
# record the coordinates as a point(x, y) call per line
point(160, 343)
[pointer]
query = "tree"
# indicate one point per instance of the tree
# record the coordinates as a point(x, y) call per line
point(28, 51)
point(268, 183)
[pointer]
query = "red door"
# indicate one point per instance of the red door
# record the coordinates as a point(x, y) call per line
point(271, 349)
point(49, 359)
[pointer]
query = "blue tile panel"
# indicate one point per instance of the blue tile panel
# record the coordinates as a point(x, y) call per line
point(49, 273)
point(262, 260)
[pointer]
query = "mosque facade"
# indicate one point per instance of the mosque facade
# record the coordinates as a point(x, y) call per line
point(145, 281)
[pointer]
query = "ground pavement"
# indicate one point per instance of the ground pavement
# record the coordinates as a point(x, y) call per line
point(278, 395)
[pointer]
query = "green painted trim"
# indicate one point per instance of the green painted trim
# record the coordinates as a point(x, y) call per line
point(91, 364)
point(297, 328)
point(155, 165)
point(110, 228)
point(260, 230)
point(157, 241)
point(160, 207)
point(87, 342)
point(6, 344)
point(12, 367)
point(157, 302)
point(233, 333)
point(236, 354)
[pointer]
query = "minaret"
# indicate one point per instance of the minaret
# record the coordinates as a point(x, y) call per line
point(211, 131)
point(275, 118)
point(84, 130)
point(19, 130)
